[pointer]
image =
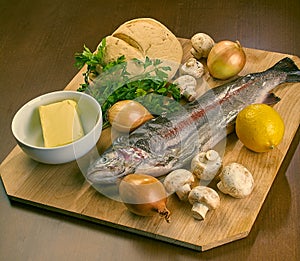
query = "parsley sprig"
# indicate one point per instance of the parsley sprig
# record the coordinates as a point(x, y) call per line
point(95, 63)
point(111, 82)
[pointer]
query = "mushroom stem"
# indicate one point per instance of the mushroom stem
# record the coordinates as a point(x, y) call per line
point(199, 210)
point(183, 191)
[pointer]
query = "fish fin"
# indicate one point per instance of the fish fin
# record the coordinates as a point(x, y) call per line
point(285, 65)
point(271, 99)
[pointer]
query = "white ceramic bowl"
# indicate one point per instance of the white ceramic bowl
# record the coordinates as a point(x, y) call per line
point(27, 130)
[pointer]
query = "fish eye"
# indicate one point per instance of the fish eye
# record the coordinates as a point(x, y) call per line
point(103, 160)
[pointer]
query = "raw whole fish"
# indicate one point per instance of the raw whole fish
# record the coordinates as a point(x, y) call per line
point(170, 141)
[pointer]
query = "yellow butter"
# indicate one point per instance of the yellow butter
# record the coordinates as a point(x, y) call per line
point(60, 123)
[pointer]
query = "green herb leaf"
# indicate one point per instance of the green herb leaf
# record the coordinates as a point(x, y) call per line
point(112, 82)
point(157, 62)
point(147, 62)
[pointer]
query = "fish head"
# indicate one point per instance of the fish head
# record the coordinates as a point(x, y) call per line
point(108, 168)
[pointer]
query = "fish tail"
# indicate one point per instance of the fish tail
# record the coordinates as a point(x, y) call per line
point(285, 65)
point(288, 65)
point(293, 76)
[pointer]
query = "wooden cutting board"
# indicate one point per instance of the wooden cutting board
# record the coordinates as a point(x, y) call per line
point(62, 188)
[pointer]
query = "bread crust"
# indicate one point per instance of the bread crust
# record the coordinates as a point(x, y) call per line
point(144, 37)
point(116, 47)
point(151, 38)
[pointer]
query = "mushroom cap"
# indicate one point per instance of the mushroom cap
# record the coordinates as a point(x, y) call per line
point(236, 180)
point(205, 165)
point(202, 44)
point(195, 53)
point(192, 67)
point(177, 178)
point(204, 195)
point(187, 85)
point(186, 80)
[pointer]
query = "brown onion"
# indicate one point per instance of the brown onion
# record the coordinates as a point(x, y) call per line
point(144, 195)
point(127, 115)
point(226, 59)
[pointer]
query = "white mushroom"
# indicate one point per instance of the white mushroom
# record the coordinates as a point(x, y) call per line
point(205, 165)
point(187, 85)
point(203, 199)
point(202, 44)
point(195, 53)
point(236, 180)
point(192, 67)
point(179, 181)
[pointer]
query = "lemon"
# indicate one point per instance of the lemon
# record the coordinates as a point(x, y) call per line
point(259, 127)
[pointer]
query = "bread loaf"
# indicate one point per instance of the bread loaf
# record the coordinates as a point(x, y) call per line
point(116, 47)
point(143, 37)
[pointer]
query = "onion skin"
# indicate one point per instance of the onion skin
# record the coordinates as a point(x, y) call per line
point(144, 195)
point(226, 59)
point(127, 115)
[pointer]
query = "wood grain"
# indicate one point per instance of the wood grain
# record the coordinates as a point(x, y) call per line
point(38, 40)
point(62, 188)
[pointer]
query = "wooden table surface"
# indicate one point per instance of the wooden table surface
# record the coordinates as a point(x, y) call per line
point(38, 39)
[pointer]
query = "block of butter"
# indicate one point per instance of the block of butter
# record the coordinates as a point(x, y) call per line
point(60, 123)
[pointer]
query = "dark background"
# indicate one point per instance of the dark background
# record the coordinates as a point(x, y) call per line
point(38, 39)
